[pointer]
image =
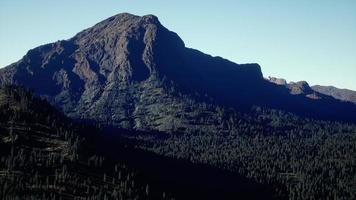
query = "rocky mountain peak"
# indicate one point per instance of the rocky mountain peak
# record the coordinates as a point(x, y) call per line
point(300, 87)
point(115, 26)
point(151, 19)
point(130, 71)
point(302, 84)
point(121, 48)
point(296, 88)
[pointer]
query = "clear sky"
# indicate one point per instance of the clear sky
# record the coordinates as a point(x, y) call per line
point(312, 40)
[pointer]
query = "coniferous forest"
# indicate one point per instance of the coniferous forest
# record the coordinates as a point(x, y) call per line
point(269, 154)
point(45, 155)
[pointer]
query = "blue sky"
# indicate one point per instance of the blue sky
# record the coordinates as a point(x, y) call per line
point(312, 40)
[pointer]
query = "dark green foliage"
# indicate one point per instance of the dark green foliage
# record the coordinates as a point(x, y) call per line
point(312, 159)
point(44, 156)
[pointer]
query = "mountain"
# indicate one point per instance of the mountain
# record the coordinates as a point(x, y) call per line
point(131, 72)
point(316, 91)
point(301, 88)
point(118, 72)
point(177, 123)
point(341, 94)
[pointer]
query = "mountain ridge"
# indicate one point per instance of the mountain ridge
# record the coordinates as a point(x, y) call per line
point(337, 93)
point(132, 72)
point(316, 91)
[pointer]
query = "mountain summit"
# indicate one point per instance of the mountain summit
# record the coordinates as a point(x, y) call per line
point(130, 71)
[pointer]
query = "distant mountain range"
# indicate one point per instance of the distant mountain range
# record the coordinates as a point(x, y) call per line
point(342, 94)
point(316, 91)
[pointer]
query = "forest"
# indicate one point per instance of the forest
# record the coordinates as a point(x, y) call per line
point(45, 155)
point(303, 158)
point(264, 153)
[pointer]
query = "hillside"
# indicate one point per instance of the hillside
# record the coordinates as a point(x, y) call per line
point(45, 155)
point(341, 94)
point(268, 151)
point(311, 159)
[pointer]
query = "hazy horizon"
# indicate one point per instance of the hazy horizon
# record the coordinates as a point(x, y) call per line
point(312, 41)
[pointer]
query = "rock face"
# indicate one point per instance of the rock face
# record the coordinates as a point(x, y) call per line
point(341, 94)
point(278, 81)
point(297, 88)
point(106, 72)
point(316, 91)
point(300, 87)
point(131, 72)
